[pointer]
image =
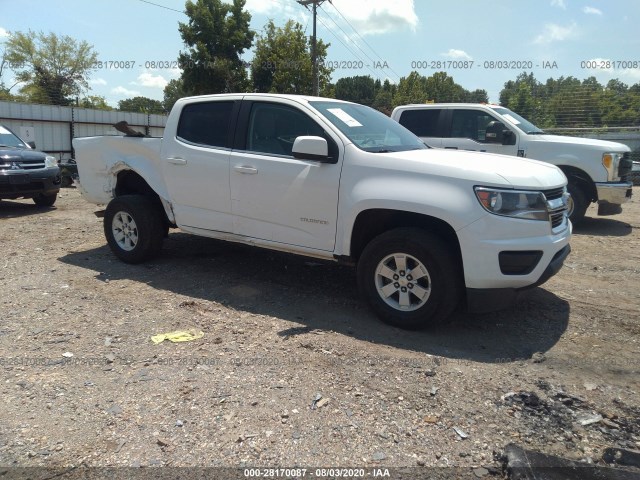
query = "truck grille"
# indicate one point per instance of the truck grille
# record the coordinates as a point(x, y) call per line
point(624, 169)
point(21, 164)
point(556, 214)
point(553, 194)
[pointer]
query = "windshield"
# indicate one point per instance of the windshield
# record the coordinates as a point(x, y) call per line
point(368, 129)
point(8, 139)
point(517, 121)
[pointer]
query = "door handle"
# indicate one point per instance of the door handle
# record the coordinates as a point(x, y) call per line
point(245, 169)
point(177, 160)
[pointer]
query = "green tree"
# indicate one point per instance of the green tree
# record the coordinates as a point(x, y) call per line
point(216, 35)
point(568, 102)
point(174, 91)
point(282, 61)
point(634, 93)
point(564, 102)
point(441, 88)
point(55, 69)
point(383, 102)
point(592, 92)
point(618, 102)
point(328, 91)
point(141, 105)
point(477, 96)
point(94, 101)
point(529, 98)
point(411, 89)
point(522, 102)
point(384, 97)
point(360, 89)
point(5, 92)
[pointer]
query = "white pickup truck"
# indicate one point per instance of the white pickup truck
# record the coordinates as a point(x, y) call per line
point(598, 171)
point(429, 230)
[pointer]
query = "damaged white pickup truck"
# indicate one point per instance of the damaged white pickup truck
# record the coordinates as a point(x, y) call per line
point(429, 230)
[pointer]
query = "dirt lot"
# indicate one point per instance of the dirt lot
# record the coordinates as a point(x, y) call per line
point(279, 331)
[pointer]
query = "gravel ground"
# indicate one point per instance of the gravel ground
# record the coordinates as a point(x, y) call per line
point(293, 369)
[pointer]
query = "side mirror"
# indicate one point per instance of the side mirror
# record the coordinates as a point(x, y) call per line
point(32, 144)
point(508, 138)
point(494, 132)
point(311, 148)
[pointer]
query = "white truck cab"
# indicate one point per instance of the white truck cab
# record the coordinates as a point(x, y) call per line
point(598, 171)
point(429, 230)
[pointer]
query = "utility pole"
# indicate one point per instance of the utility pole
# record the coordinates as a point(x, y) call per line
point(314, 51)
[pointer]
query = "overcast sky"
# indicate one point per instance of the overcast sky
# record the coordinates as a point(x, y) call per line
point(552, 38)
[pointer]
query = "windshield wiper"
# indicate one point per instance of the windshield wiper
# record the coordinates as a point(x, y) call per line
point(536, 132)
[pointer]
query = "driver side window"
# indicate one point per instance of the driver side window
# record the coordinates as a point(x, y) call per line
point(470, 124)
point(273, 128)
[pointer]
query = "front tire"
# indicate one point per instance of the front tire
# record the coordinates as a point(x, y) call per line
point(578, 203)
point(410, 278)
point(43, 200)
point(133, 227)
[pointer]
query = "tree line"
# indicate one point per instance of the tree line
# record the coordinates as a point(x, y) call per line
point(568, 102)
point(53, 69)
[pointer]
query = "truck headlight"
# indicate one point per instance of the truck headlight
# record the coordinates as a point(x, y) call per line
point(50, 162)
point(513, 203)
point(611, 162)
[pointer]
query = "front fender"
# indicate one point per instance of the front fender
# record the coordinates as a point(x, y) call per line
point(451, 202)
point(585, 160)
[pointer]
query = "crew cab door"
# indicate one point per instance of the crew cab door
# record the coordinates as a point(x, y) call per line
point(425, 123)
point(274, 196)
point(467, 129)
point(195, 165)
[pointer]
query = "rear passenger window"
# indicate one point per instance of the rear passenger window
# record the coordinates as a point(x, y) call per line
point(206, 123)
point(423, 123)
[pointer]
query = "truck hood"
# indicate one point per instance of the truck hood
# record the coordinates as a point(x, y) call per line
point(588, 143)
point(10, 154)
point(480, 168)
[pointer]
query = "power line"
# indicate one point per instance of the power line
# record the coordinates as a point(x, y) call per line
point(362, 38)
point(314, 50)
point(357, 46)
point(375, 74)
point(162, 6)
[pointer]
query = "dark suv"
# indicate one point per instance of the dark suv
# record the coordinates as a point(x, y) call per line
point(25, 172)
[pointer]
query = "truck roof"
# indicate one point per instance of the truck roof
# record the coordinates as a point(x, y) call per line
point(298, 98)
point(430, 105)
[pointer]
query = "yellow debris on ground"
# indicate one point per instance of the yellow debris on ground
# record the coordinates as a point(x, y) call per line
point(178, 336)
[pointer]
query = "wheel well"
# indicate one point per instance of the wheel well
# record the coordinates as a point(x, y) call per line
point(581, 178)
point(129, 182)
point(371, 223)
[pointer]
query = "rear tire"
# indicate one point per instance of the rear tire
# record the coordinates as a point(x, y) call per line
point(410, 278)
point(134, 228)
point(578, 203)
point(43, 200)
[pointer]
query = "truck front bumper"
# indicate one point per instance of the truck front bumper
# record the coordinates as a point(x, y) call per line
point(615, 193)
point(502, 256)
point(482, 300)
point(29, 183)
